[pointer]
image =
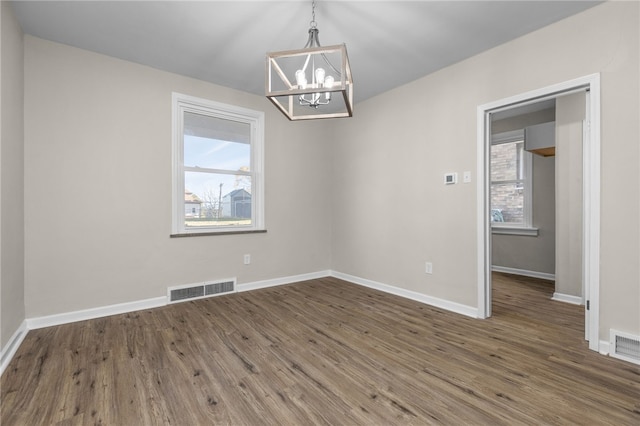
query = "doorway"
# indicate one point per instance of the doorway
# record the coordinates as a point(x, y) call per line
point(591, 194)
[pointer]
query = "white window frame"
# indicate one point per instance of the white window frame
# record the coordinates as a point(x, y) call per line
point(184, 103)
point(526, 228)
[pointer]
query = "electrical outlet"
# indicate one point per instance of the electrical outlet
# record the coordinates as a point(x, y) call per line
point(428, 268)
point(247, 259)
point(466, 177)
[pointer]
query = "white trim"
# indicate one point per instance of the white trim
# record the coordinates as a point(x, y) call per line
point(156, 302)
point(184, 103)
point(591, 212)
point(458, 308)
point(583, 258)
point(87, 314)
point(177, 175)
point(567, 298)
point(483, 223)
point(12, 346)
point(524, 272)
point(591, 203)
point(282, 281)
point(604, 347)
point(103, 311)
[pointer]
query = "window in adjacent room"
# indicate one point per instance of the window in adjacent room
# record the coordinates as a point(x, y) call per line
point(511, 177)
point(217, 167)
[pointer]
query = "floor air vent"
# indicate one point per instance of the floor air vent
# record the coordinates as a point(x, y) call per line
point(625, 346)
point(198, 291)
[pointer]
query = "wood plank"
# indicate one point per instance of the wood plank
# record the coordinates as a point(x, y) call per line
point(323, 352)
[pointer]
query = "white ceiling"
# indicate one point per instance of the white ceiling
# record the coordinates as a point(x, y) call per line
point(390, 43)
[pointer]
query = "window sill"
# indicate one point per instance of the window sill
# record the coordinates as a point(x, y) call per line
point(514, 230)
point(205, 234)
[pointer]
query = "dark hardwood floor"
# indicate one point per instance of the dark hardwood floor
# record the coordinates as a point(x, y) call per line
point(323, 352)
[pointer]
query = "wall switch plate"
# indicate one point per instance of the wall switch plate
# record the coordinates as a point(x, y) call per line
point(450, 178)
point(466, 177)
point(247, 259)
point(428, 268)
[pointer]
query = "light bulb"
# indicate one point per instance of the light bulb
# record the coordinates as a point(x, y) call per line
point(301, 79)
point(320, 76)
point(328, 82)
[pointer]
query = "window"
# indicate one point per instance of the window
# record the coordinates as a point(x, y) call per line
point(511, 168)
point(217, 167)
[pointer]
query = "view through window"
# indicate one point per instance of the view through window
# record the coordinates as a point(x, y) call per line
point(510, 175)
point(218, 183)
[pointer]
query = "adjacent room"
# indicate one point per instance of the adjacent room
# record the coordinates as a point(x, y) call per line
point(427, 214)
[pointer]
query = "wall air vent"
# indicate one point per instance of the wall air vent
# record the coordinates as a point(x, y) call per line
point(186, 293)
point(625, 346)
point(201, 290)
point(217, 288)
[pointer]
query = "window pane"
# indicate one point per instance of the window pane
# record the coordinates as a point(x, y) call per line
point(217, 200)
point(216, 154)
point(506, 161)
point(216, 143)
point(206, 126)
point(507, 203)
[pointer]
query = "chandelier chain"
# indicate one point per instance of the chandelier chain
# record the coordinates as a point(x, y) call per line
point(313, 22)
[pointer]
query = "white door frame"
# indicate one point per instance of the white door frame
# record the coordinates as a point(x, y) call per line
point(591, 185)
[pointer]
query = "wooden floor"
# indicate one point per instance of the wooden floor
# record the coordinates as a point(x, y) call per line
point(323, 352)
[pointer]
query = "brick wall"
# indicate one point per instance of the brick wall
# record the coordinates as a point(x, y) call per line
point(506, 161)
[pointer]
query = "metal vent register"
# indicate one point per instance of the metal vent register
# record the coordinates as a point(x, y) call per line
point(625, 346)
point(197, 291)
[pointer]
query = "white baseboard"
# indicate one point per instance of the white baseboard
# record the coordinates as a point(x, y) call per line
point(121, 308)
point(604, 348)
point(87, 314)
point(567, 298)
point(12, 346)
point(419, 297)
point(281, 281)
point(524, 272)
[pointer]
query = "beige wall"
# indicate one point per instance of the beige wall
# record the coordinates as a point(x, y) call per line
point(531, 253)
point(12, 309)
point(394, 153)
point(98, 185)
point(570, 114)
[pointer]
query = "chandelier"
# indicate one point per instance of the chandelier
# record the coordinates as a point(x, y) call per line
point(305, 84)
